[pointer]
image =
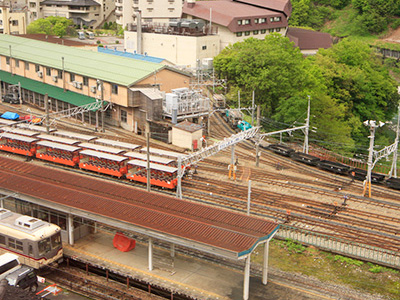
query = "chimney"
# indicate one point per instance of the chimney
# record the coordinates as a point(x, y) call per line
point(191, 3)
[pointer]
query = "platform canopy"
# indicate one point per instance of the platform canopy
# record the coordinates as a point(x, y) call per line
point(204, 228)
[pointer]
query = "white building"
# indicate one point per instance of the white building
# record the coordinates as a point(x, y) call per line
point(153, 11)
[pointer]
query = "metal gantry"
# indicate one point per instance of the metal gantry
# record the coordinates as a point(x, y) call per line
point(193, 158)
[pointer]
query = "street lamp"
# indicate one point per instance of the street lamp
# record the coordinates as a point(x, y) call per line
point(372, 126)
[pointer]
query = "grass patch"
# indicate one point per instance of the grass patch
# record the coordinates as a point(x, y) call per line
point(290, 256)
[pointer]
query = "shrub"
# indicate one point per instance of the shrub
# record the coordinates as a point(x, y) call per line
point(100, 45)
point(294, 247)
point(98, 42)
point(348, 260)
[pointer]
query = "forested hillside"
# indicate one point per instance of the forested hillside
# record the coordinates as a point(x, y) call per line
point(364, 16)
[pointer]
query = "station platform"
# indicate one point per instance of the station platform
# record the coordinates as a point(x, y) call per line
point(184, 274)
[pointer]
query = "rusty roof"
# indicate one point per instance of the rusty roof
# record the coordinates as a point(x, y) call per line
point(55, 40)
point(234, 234)
point(188, 126)
point(309, 39)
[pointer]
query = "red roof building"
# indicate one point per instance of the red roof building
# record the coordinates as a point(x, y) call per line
point(309, 41)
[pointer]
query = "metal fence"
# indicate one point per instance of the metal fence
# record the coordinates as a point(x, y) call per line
point(341, 246)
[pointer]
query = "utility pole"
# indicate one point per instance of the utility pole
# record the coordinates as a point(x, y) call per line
point(11, 61)
point(258, 153)
point(372, 126)
point(248, 198)
point(63, 73)
point(252, 110)
point(19, 93)
point(46, 103)
point(393, 169)
point(148, 153)
point(208, 120)
point(102, 105)
point(306, 130)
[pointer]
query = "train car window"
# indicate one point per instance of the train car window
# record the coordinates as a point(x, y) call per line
point(19, 245)
point(30, 250)
point(44, 246)
point(2, 239)
point(56, 240)
point(11, 243)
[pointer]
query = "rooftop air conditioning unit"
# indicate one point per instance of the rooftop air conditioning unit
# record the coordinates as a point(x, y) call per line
point(55, 77)
point(93, 89)
point(40, 74)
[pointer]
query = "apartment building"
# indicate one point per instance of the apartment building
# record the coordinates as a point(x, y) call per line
point(71, 77)
point(90, 13)
point(224, 22)
point(153, 11)
point(240, 19)
point(12, 21)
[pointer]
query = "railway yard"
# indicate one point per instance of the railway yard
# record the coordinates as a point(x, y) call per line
point(282, 190)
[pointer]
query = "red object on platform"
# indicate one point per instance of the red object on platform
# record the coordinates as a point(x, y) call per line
point(123, 243)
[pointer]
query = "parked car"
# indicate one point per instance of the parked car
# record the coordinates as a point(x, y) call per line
point(31, 119)
point(11, 98)
point(24, 278)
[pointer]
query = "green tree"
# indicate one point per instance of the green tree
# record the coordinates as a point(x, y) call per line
point(273, 68)
point(39, 26)
point(51, 25)
point(358, 81)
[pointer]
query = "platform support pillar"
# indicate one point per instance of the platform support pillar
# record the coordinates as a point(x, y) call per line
point(172, 250)
point(95, 227)
point(150, 254)
point(246, 285)
point(71, 229)
point(265, 263)
point(2, 203)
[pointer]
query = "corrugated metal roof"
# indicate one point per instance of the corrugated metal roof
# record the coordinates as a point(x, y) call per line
point(17, 137)
point(115, 69)
point(130, 55)
point(42, 88)
point(156, 159)
point(103, 155)
point(143, 164)
point(101, 148)
point(62, 140)
point(58, 146)
point(202, 225)
point(188, 126)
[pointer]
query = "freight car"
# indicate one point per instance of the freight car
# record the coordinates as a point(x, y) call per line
point(334, 167)
point(360, 174)
point(280, 149)
point(305, 158)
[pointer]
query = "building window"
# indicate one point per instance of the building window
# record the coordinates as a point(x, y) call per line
point(7, 60)
point(150, 9)
point(48, 72)
point(247, 33)
point(255, 32)
point(34, 14)
point(263, 31)
point(277, 19)
point(17, 63)
point(26, 65)
point(263, 20)
point(115, 89)
point(85, 81)
point(277, 29)
point(71, 77)
point(247, 22)
point(239, 22)
point(271, 30)
point(238, 34)
point(171, 9)
point(59, 74)
point(204, 48)
point(14, 22)
point(2, 239)
point(255, 21)
point(124, 116)
point(37, 68)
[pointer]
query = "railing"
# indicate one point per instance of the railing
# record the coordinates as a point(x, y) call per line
point(341, 246)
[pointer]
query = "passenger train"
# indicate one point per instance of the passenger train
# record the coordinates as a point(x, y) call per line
point(335, 167)
point(36, 243)
point(93, 154)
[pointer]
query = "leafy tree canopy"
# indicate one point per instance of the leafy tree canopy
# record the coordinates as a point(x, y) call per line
point(59, 26)
point(347, 85)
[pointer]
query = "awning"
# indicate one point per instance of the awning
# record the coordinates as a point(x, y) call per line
point(43, 88)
